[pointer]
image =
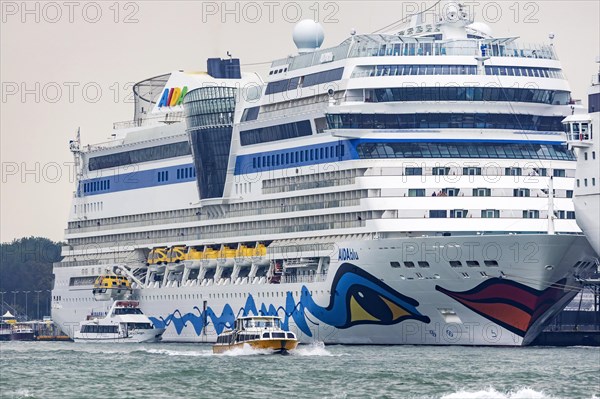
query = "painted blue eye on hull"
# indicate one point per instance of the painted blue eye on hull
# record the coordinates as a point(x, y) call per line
point(356, 297)
point(356, 291)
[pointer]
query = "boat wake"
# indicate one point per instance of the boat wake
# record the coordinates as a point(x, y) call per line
point(491, 393)
point(22, 394)
point(314, 349)
point(170, 352)
point(246, 350)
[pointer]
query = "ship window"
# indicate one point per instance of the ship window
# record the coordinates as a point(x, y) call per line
point(490, 213)
point(423, 264)
point(531, 214)
point(459, 213)
point(451, 192)
point(276, 132)
point(472, 263)
point(455, 263)
point(414, 171)
point(437, 171)
point(409, 264)
point(491, 263)
point(472, 171)
point(141, 155)
point(514, 171)
point(521, 192)
point(322, 77)
point(434, 213)
point(395, 264)
point(277, 86)
point(559, 173)
point(416, 192)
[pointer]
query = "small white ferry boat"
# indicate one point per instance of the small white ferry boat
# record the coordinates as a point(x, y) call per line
point(125, 322)
point(259, 332)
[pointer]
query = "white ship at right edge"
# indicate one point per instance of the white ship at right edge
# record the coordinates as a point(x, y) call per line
point(412, 187)
point(583, 135)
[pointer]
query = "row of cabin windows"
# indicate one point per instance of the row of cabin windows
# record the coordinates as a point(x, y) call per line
point(185, 173)
point(163, 176)
point(585, 182)
point(304, 81)
point(445, 120)
point(377, 150)
point(100, 185)
point(477, 192)
point(399, 70)
point(141, 155)
point(585, 155)
point(330, 152)
point(277, 294)
point(96, 329)
point(474, 171)
point(524, 71)
point(453, 263)
point(276, 132)
point(276, 71)
point(471, 94)
point(493, 214)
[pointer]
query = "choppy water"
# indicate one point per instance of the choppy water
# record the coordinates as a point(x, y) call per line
point(69, 370)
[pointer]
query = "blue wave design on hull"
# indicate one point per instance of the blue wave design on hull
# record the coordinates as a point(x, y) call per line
point(356, 298)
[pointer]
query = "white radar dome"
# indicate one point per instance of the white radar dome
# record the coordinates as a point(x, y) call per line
point(308, 35)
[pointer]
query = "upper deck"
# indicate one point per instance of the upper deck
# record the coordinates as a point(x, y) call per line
point(380, 45)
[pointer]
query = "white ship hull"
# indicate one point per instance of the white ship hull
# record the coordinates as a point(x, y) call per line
point(363, 300)
point(589, 207)
point(153, 335)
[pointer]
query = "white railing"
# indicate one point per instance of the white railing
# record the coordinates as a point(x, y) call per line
point(167, 118)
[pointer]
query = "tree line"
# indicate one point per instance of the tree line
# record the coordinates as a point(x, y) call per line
point(26, 278)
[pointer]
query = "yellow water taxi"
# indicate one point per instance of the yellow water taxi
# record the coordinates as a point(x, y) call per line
point(259, 332)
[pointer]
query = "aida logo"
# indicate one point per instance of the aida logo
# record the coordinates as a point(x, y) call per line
point(172, 97)
point(347, 254)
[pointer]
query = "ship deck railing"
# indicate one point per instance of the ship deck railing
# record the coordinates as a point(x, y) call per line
point(257, 280)
point(167, 118)
point(392, 45)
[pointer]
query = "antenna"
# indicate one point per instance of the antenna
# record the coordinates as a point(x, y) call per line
point(75, 147)
point(551, 230)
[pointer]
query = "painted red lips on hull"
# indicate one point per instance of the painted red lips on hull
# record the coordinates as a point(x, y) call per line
point(511, 305)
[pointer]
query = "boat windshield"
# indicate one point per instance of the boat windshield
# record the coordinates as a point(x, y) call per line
point(128, 311)
point(264, 323)
point(139, 326)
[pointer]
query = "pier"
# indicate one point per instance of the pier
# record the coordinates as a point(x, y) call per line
point(579, 322)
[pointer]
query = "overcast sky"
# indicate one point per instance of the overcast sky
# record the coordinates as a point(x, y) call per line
point(70, 64)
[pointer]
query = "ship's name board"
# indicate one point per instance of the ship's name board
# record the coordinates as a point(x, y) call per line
point(347, 254)
point(173, 96)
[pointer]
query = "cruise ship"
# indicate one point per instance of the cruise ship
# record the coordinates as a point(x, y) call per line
point(412, 187)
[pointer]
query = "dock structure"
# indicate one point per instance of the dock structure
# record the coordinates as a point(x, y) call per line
point(579, 323)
